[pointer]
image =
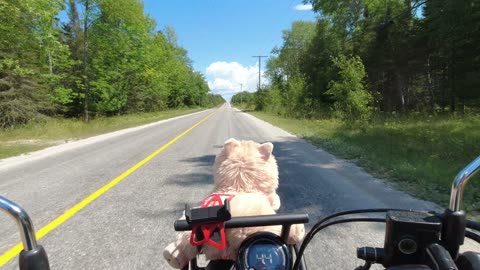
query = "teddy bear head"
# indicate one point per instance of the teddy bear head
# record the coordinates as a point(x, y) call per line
point(246, 166)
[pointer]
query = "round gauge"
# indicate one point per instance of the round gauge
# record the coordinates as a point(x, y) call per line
point(264, 251)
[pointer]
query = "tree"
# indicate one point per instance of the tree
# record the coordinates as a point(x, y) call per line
point(352, 100)
point(455, 65)
point(318, 64)
point(106, 60)
point(285, 72)
point(29, 56)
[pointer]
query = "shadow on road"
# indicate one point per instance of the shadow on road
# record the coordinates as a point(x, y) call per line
point(202, 177)
point(158, 214)
point(206, 160)
point(190, 179)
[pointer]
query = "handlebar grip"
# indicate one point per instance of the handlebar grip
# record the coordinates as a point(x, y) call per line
point(34, 259)
point(251, 221)
point(371, 254)
point(182, 225)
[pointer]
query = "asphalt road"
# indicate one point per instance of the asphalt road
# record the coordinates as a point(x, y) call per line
point(130, 224)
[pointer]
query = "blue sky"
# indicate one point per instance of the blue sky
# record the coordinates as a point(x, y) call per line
point(222, 35)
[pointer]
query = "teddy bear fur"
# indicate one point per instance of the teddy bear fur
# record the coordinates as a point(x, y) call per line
point(246, 166)
point(249, 171)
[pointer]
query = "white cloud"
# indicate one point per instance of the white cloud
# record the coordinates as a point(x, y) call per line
point(303, 7)
point(227, 77)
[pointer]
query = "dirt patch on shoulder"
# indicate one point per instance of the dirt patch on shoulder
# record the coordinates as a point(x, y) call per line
point(33, 142)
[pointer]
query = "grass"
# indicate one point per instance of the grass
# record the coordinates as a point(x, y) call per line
point(41, 134)
point(420, 156)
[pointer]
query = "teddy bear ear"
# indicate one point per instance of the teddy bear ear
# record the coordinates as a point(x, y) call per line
point(266, 150)
point(230, 145)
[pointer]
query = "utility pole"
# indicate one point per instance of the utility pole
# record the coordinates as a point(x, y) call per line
point(241, 93)
point(85, 59)
point(259, 68)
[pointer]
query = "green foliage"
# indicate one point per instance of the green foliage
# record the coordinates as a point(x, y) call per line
point(213, 100)
point(106, 60)
point(28, 51)
point(243, 98)
point(420, 155)
point(427, 64)
point(454, 67)
point(352, 100)
point(286, 95)
point(261, 99)
point(318, 67)
point(21, 98)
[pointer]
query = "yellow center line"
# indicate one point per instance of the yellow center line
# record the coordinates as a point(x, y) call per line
point(10, 254)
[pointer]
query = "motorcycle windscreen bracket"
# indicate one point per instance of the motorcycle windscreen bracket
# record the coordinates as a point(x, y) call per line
point(208, 220)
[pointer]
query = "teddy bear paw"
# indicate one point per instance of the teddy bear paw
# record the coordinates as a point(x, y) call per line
point(172, 257)
point(275, 200)
point(297, 232)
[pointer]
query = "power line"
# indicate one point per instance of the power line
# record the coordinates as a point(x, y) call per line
point(259, 68)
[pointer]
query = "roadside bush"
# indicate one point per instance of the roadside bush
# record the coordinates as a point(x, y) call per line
point(352, 100)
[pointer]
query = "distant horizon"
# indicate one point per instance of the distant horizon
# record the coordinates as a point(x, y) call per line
point(221, 37)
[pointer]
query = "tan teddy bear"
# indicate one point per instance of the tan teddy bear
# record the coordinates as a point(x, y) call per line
point(246, 166)
point(248, 171)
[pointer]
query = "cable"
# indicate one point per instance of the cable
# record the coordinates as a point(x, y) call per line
point(348, 220)
point(318, 226)
point(351, 212)
point(303, 263)
point(473, 225)
point(366, 266)
point(473, 236)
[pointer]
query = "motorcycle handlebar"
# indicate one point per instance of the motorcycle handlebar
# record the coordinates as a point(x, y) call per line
point(251, 221)
point(459, 183)
point(33, 257)
point(27, 233)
